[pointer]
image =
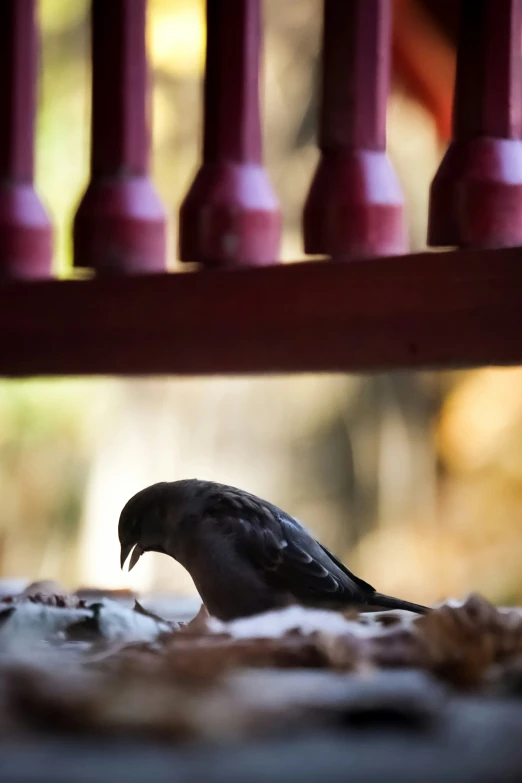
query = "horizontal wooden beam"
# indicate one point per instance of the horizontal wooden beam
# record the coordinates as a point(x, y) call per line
point(430, 310)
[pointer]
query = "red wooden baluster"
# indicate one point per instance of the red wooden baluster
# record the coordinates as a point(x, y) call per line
point(230, 216)
point(26, 236)
point(120, 224)
point(354, 208)
point(476, 195)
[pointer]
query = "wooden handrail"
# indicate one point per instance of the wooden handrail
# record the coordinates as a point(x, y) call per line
point(451, 309)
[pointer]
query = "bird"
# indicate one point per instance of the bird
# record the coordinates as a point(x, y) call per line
point(245, 555)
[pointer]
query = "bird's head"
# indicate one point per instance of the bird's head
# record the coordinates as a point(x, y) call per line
point(149, 521)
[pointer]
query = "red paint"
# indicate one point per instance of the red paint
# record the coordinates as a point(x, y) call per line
point(26, 236)
point(120, 223)
point(455, 309)
point(476, 195)
point(355, 208)
point(423, 59)
point(230, 216)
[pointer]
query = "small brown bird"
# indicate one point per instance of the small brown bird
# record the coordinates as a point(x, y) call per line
point(244, 554)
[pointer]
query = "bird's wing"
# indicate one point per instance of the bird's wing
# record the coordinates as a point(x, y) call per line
point(312, 571)
point(364, 585)
point(290, 559)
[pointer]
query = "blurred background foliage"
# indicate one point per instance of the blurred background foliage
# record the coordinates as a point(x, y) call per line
point(414, 478)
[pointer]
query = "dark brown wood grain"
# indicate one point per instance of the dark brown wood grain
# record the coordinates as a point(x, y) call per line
point(451, 309)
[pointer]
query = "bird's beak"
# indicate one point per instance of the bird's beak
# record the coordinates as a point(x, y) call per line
point(136, 554)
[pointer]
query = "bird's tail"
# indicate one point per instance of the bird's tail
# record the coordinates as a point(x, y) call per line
point(387, 602)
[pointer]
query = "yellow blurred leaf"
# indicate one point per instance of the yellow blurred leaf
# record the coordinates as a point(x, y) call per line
point(177, 36)
point(478, 415)
point(58, 15)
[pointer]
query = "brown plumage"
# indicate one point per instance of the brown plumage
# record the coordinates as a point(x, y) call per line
point(244, 554)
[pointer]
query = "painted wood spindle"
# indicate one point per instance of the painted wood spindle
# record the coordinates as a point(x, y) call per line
point(476, 195)
point(230, 216)
point(26, 237)
point(354, 207)
point(120, 225)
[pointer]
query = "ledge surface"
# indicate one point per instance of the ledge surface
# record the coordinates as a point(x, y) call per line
point(429, 310)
